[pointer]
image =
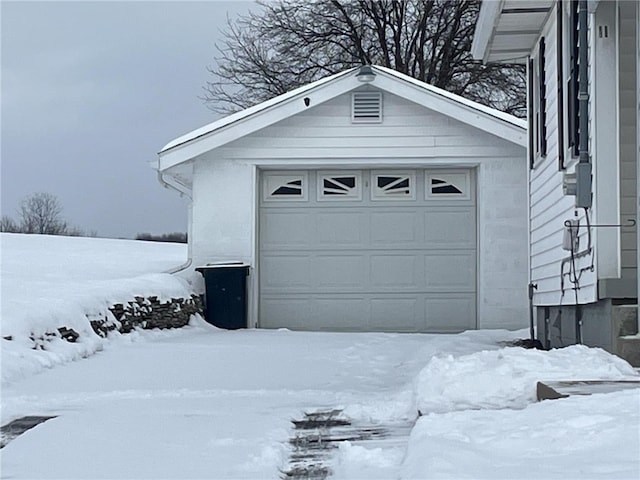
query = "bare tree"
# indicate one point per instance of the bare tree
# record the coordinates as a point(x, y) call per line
point(42, 213)
point(7, 224)
point(175, 237)
point(289, 43)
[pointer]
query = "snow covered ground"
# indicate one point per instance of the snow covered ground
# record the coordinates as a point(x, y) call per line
point(204, 403)
point(48, 282)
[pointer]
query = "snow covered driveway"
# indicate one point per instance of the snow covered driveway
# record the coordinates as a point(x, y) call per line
point(205, 403)
point(200, 403)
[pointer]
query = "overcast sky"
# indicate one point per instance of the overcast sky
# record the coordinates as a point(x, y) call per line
point(90, 92)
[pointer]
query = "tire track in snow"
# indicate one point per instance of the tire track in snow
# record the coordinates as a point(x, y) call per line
point(319, 434)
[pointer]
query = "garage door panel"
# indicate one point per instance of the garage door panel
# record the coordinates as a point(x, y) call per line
point(394, 271)
point(450, 228)
point(450, 272)
point(286, 312)
point(339, 271)
point(286, 272)
point(396, 228)
point(344, 313)
point(451, 313)
point(286, 229)
point(341, 229)
point(391, 314)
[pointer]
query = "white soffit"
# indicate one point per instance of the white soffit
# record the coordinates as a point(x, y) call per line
point(508, 30)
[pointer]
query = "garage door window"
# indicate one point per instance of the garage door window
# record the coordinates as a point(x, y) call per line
point(340, 186)
point(279, 187)
point(393, 186)
point(448, 185)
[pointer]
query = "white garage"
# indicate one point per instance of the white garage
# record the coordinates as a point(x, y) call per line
point(381, 250)
point(363, 203)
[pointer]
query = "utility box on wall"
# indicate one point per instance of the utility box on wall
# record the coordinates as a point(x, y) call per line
point(225, 304)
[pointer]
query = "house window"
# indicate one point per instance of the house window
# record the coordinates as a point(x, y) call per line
point(366, 107)
point(393, 186)
point(339, 186)
point(448, 185)
point(285, 187)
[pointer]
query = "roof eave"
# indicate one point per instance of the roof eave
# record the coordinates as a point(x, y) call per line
point(508, 31)
point(513, 130)
point(485, 27)
point(240, 115)
point(275, 111)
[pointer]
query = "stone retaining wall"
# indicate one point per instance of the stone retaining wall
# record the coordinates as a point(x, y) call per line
point(146, 313)
point(149, 313)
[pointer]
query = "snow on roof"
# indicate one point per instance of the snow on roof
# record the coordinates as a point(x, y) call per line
point(238, 116)
point(234, 117)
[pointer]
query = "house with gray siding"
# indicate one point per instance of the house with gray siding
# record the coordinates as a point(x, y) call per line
point(365, 201)
point(582, 62)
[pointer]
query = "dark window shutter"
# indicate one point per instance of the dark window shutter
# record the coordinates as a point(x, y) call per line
point(560, 76)
point(530, 108)
point(572, 90)
point(542, 97)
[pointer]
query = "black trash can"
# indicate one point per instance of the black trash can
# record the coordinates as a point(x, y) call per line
point(225, 299)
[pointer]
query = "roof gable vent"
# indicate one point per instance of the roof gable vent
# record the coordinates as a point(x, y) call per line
point(366, 107)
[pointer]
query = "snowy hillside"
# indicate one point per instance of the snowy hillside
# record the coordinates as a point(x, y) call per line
point(52, 281)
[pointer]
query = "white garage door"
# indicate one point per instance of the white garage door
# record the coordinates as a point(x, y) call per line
point(370, 250)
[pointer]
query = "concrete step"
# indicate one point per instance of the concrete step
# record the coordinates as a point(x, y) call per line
point(626, 342)
point(629, 348)
point(17, 427)
point(624, 319)
point(563, 389)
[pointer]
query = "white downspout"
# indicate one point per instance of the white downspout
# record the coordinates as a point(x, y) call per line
point(183, 190)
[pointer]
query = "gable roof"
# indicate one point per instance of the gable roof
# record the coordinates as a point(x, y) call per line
point(237, 116)
point(245, 122)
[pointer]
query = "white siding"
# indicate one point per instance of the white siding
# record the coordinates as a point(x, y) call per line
point(323, 136)
point(628, 118)
point(550, 208)
point(408, 130)
point(222, 212)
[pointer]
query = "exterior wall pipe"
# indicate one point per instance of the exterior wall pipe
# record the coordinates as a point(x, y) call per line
point(583, 168)
point(532, 333)
point(183, 190)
